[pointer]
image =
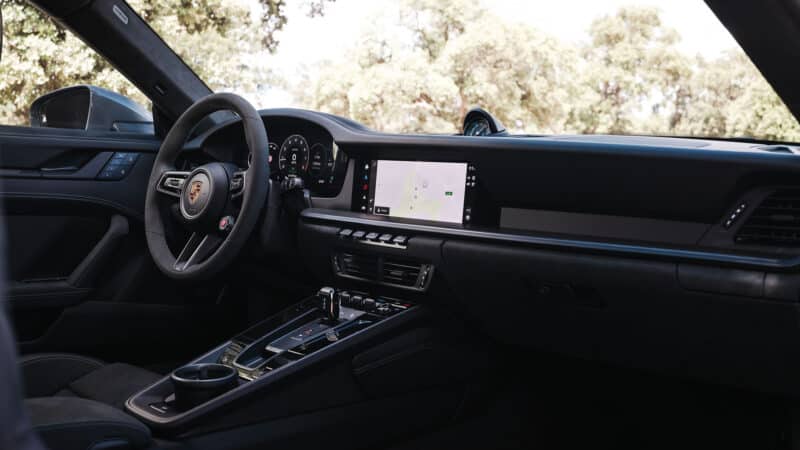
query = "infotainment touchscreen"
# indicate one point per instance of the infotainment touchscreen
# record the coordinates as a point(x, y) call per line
point(434, 191)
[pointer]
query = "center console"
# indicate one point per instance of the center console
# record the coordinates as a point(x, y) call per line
point(348, 349)
point(298, 337)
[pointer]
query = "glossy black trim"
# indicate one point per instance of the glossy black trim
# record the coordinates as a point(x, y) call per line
point(181, 419)
point(509, 237)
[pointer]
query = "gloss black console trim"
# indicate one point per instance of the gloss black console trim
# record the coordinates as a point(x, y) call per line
point(140, 403)
point(354, 220)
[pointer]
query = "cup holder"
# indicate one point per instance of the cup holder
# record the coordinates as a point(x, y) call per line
point(198, 383)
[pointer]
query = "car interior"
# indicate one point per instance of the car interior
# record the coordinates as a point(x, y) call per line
point(251, 279)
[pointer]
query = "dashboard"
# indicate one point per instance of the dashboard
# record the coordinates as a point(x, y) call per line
point(600, 247)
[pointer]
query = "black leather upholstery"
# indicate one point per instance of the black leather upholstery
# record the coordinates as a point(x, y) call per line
point(68, 375)
point(66, 423)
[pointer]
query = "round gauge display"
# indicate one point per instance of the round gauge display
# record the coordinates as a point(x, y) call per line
point(273, 157)
point(293, 157)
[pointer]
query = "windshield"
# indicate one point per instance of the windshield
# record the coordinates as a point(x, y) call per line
point(571, 66)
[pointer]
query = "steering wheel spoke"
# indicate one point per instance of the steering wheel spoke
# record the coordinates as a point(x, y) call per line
point(199, 247)
point(171, 182)
point(238, 181)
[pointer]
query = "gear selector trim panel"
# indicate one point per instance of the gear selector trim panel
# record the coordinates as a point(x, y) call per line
point(295, 338)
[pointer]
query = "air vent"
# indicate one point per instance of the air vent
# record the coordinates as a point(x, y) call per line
point(359, 266)
point(401, 273)
point(776, 221)
point(388, 271)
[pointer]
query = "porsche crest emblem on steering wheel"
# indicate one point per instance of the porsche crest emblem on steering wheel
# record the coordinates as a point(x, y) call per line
point(194, 191)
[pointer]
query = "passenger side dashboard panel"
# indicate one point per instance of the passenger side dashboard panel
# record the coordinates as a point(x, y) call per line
point(608, 248)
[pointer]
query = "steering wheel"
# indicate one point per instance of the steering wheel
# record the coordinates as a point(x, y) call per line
point(218, 202)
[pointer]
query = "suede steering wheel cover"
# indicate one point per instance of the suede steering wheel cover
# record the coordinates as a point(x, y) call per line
point(255, 189)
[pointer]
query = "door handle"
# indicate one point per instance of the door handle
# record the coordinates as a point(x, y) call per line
point(72, 290)
point(59, 169)
point(97, 259)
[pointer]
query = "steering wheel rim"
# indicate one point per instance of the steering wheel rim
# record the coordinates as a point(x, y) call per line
point(207, 251)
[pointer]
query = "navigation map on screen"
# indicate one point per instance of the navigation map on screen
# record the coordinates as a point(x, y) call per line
point(420, 190)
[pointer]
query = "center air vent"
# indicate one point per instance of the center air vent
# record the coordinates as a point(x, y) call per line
point(388, 271)
point(776, 221)
point(358, 266)
point(404, 274)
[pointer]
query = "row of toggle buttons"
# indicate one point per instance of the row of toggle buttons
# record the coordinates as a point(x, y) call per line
point(374, 237)
point(370, 304)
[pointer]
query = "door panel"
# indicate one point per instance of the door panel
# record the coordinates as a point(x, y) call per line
point(81, 277)
point(49, 247)
point(65, 214)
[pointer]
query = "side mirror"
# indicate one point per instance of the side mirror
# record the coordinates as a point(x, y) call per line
point(87, 107)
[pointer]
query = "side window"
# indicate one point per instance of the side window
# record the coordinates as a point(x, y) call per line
point(50, 78)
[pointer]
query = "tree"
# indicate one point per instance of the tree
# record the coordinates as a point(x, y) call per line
point(29, 67)
point(727, 96)
point(444, 56)
point(459, 55)
point(523, 76)
point(421, 66)
point(217, 38)
point(632, 67)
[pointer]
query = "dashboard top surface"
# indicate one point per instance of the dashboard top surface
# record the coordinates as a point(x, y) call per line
point(629, 180)
point(347, 132)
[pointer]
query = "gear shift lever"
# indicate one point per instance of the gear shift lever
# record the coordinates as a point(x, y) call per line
point(329, 303)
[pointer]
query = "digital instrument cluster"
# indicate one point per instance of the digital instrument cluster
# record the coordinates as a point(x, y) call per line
point(295, 157)
point(297, 149)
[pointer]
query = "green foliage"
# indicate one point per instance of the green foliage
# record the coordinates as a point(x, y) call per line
point(629, 78)
point(630, 57)
point(421, 69)
point(40, 56)
point(455, 59)
point(220, 39)
point(216, 38)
